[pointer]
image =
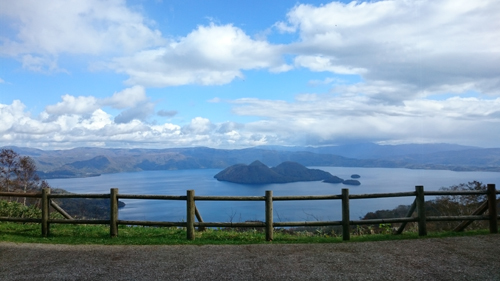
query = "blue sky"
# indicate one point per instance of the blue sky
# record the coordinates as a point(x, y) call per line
point(233, 74)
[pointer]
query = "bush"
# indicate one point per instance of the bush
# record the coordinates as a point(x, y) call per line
point(17, 210)
point(14, 209)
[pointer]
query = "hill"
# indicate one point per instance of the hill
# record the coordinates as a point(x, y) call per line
point(87, 161)
point(258, 173)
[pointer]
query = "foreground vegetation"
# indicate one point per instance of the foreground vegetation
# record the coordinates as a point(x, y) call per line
point(99, 234)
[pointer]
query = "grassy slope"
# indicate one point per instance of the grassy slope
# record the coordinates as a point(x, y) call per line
point(97, 234)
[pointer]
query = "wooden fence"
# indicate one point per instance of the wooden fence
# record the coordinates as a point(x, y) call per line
point(269, 224)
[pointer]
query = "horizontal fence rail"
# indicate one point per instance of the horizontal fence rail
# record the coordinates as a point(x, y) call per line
point(192, 212)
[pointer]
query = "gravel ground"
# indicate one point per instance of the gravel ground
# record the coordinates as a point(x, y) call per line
point(455, 258)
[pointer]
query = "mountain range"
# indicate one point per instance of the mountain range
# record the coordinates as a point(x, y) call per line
point(87, 161)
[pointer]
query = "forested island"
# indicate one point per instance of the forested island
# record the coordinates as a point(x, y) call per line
point(288, 171)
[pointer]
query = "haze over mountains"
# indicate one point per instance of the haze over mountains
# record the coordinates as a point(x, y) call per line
point(86, 161)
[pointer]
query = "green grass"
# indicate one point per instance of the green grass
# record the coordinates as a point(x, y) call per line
point(99, 234)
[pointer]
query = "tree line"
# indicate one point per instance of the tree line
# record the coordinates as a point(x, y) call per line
point(19, 174)
point(449, 205)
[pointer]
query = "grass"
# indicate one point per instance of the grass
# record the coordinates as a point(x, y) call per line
point(99, 234)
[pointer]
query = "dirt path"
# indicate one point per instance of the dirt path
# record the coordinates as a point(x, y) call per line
point(457, 258)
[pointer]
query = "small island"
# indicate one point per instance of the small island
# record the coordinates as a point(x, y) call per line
point(352, 182)
point(288, 171)
point(259, 173)
point(335, 179)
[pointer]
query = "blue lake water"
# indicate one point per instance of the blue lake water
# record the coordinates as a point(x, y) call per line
point(373, 180)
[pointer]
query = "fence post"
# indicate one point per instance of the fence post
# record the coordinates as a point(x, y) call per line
point(113, 216)
point(190, 214)
point(346, 231)
point(420, 200)
point(45, 212)
point(199, 218)
point(492, 208)
point(269, 215)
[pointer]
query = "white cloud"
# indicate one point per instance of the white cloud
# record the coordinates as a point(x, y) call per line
point(44, 64)
point(100, 129)
point(134, 100)
point(74, 105)
point(127, 98)
point(324, 63)
point(422, 44)
point(209, 55)
point(45, 30)
point(16, 121)
point(140, 111)
point(199, 126)
point(325, 119)
point(98, 120)
point(311, 119)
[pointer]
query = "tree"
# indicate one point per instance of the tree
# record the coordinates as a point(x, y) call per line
point(8, 164)
point(460, 205)
point(18, 173)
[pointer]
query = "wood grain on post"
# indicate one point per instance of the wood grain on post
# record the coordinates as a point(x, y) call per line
point(420, 200)
point(113, 216)
point(190, 214)
point(492, 208)
point(45, 212)
point(346, 231)
point(269, 215)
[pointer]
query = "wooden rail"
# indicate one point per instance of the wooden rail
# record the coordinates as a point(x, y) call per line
point(192, 212)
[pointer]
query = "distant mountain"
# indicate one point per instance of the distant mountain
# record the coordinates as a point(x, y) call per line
point(258, 173)
point(99, 162)
point(375, 151)
point(479, 157)
point(87, 161)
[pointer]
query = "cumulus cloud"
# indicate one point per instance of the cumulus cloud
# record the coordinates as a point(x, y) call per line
point(199, 125)
point(140, 112)
point(134, 100)
point(44, 30)
point(209, 55)
point(16, 121)
point(99, 128)
point(74, 105)
point(311, 119)
point(333, 119)
point(126, 98)
point(421, 44)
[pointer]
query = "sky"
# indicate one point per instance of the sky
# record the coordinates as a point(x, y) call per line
point(236, 74)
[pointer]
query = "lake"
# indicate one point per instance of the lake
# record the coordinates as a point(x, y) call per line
point(373, 180)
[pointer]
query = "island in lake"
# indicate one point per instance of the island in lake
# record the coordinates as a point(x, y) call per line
point(259, 173)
